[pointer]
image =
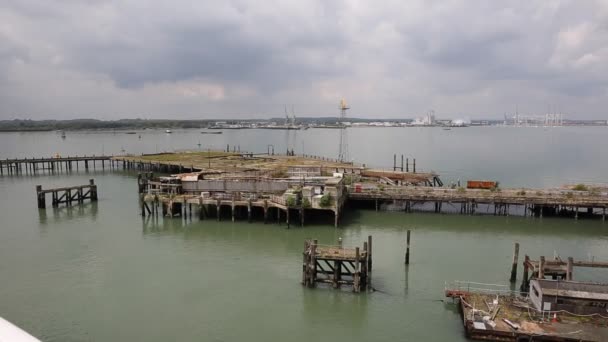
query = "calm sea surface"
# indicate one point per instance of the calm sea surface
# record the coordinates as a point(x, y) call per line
point(98, 272)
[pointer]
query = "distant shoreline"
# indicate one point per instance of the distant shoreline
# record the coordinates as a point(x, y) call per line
point(7, 126)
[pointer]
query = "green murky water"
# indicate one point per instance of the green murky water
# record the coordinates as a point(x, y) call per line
point(101, 273)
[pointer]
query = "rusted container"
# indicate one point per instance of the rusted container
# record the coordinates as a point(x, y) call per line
point(478, 184)
point(357, 187)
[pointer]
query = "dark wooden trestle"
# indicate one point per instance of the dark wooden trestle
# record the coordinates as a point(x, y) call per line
point(67, 195)
point(337, 265)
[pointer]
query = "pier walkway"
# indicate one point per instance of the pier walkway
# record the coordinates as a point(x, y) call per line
point(536, 202)
point(54, 164)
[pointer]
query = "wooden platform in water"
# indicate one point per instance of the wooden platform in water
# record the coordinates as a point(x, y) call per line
point(532, 326)
point(339, 253)
point(337, 265)
point(534, 201)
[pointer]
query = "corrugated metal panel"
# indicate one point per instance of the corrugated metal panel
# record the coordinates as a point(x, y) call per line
point(235, 185)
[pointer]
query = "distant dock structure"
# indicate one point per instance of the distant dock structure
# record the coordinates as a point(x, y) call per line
point(293, 186)
point(299, 185)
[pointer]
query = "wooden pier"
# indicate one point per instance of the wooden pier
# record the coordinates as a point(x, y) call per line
point(218, 207)
point(528, 202)
point(67, 195)
point(34, 166)
point(337, 265)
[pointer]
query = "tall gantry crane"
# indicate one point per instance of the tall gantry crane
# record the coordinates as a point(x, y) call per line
point(343, 153)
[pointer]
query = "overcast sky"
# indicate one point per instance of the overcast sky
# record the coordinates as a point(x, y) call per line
point(248, 58)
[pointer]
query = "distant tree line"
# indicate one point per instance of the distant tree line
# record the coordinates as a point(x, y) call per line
point(92, 124)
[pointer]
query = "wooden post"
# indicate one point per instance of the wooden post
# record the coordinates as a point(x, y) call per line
point(232, 206)
point(541, 268)
point(312, 276)
point(287, 217)
point(218, 209)
point(394, 162)
point(93, 190)
point(514, 266)
point(142, 204)
point(414, 166)
point(526, 261)
point(402, 163)
point(357, 274)
point(304, 263)
point(41, 197)
point(407, 248)
point(336, 277)
point(407, 164)
point(336, 218)
point(265, 211)
point(249, 211)
point(569, 268)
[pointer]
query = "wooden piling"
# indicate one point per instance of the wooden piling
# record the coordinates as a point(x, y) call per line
point(305, 257)
point(394, 162)
point(232, 209)
point(526, 275)
point(218, 209)
point(41, 197)
point(249, 211)
point(142, 204)
point(313, 264)
point(514, 266)
point(541, 268)
point(369, 263)
point(569, 268)
point(265, 211)
point(93, 190)
point(357, 275)
point(407, 248)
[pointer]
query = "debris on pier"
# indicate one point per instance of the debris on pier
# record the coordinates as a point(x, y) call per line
point(493, 312)
point(337, 265)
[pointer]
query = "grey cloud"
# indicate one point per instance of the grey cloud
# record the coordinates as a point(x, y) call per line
point(254, 56)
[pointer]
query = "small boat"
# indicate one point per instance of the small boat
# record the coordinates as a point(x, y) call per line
point(447, 129)
point(63, 134)
point(217, 132)
point(168, 131)
point(130, 133)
